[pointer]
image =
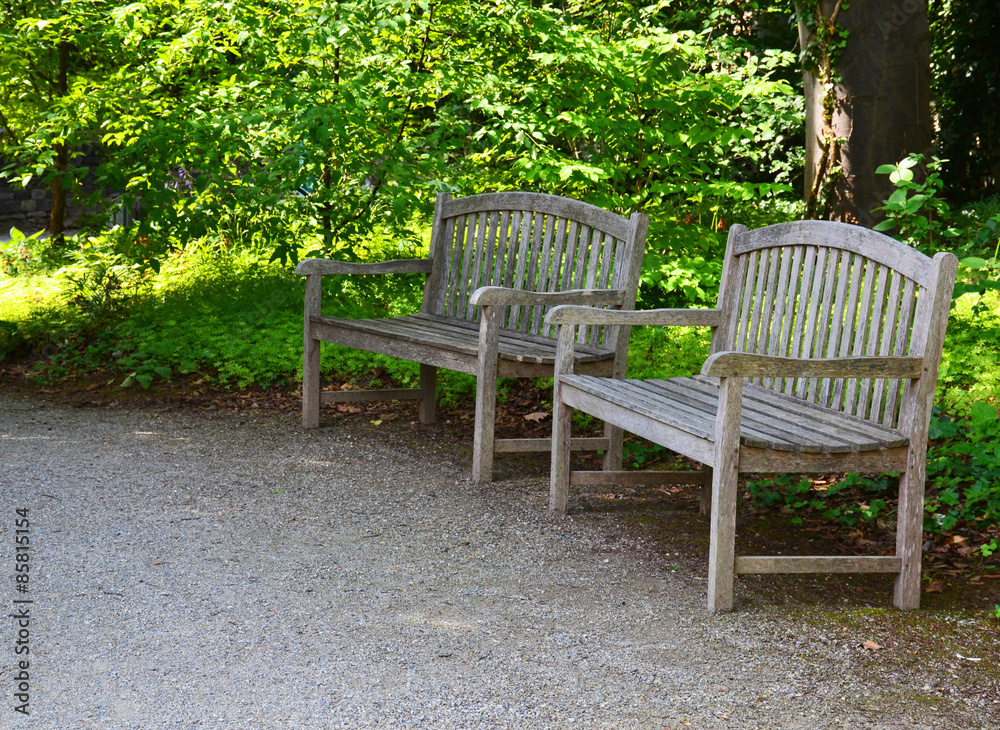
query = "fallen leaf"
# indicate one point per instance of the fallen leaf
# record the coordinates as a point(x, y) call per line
point(348, 409)
point(377, 422)
point(936, 586)
point(540, 415)
point(871, 645)
point(968, 658)
point(956, 539)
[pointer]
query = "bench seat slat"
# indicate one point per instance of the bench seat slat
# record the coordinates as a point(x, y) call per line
point(769, 420)
point(463, 337)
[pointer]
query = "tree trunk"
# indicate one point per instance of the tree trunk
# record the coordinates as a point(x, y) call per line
point(877, 108)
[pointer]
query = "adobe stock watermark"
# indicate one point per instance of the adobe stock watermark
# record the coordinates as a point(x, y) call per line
point(901, 14)
point(21, 614)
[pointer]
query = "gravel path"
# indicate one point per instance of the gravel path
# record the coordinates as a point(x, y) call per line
point(200, 570)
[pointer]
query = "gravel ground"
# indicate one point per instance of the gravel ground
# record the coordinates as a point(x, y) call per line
point(210, 570)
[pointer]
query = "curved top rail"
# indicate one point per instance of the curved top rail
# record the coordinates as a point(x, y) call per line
point(577, 210)
point(856, 239)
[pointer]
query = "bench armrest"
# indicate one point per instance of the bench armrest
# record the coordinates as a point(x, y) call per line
point(399, 266)
point(490, 295)
point(748, 365)
point(677, 317)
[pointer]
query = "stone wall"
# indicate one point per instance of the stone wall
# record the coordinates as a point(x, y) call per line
point(28, 209)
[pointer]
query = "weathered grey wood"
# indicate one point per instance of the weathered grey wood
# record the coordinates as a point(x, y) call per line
point(357, 396)
point(649, 427)
point(488, 295)
point(843, 329)
point(526, 253)
point(930, 323)
point(756, 461)
point(401, 266)
point(817, 564)
point(570, 314)
point(747, 365)
point(428, 393)
point(721, 550)
point(311, 353)
point(843, 236)
point(733, 272)
point(436, 285)
point(552, 205)
point(486, 396)
point(649, 478)
point(506, 446)
point(900, 347)
point(561, 425)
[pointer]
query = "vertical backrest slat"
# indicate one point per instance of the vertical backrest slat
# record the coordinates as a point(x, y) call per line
point(502, 237)
point(816, 293)
point(588, 277)
point(885, 346)
point(756, 302)
point(862, 322)
point(837, 316)
point(478, 254)
point(850, 316)
point(565, 280)
point(779, 321)
point(461, 281)
point(825, 326)
point(559, 245)
point(520, 269)
point(444, 257)
point(552, 235)
point(741, 331)
point(792, 385)
point(901, 346)
point(531, 281)
point(598, 335)
point(767, 307)
point(877, 320)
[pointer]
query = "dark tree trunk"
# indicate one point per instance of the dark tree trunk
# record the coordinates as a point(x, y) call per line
point(878, 107)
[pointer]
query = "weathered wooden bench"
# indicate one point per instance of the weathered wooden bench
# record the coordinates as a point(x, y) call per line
point(825, 351)
point(506, 259)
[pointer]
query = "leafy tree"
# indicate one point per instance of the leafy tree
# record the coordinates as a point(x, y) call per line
point(49, 53)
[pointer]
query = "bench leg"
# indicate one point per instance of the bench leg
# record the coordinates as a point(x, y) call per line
point(428, 386)
point(909, 535)
point(613, 456)
point(722, 548)
point(482, 444)
point(486, 394)
point(559, 474)
point(310, 383)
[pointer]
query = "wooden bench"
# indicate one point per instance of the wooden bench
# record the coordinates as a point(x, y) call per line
point(825, 351)
point(504, 259)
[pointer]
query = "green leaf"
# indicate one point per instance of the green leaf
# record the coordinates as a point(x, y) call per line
point(974, 262)
point(982, 413)
point(897, 199)
point(885, 169)
point(884, 225)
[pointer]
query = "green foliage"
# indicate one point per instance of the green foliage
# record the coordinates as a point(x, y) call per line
point(848, 501)
point(916, 208)
point(963, 467)
point(965, 83)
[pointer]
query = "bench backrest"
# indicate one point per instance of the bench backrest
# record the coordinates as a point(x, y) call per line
point(533, 242)
point(822, 289)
